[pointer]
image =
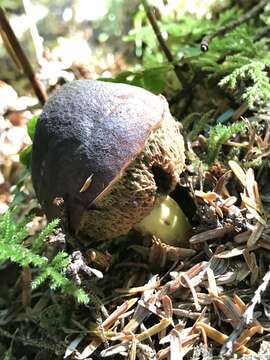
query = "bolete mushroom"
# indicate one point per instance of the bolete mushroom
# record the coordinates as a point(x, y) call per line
point(113, 152)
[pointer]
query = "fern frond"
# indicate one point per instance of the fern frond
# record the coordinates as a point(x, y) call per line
point(38, 242)
point(20, 255)
point(40, 279)
point(199, 126)
point(61, 260)
point(12, 248)
point(6, 226)
point(254, 75)
point(54, 272)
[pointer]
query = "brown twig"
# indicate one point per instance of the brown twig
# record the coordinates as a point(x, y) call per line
point(162, 43)
point(26, 278)
point(16, 52)
point(233, 24)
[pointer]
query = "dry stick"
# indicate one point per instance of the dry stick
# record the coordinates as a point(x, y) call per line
point(26, 278)
point(247, 317)
point(21, 57)
point(233, 24)
point(167, 52)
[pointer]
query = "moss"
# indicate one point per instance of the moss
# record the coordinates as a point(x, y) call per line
point(152, 174)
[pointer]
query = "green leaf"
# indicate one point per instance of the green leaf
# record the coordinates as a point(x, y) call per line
point(154, 79)
point(31, 126)
point(26, 153)
point(25, 156)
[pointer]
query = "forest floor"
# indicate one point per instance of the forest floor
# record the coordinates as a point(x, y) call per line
point(207, 297)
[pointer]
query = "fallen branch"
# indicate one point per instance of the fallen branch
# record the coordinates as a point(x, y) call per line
point(14, 48)
point(162, 43)
point(233, 24)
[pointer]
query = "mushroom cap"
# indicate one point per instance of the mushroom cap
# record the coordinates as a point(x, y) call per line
point(88, 134)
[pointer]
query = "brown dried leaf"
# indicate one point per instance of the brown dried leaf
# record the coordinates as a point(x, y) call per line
point(258, 197)
point(242, 237)
point(255, 235)
point(239, 303)
point(94, 344)
point(253, 209)
point(249, 202)
point(222, 181)
point(218, 211)
point(211, 234)
point(155, 329)
point(220, 338)
point(178, 253)
point(251, 262)
point(132, 349)
point(89, 349)
point(139, 289)
point(264, 244)
point(229, 201)
point(213, 290)
point(193, 291)
point(152, 308)
point(164, 353)
point(167, 306)
point(247, 334)
point(209, 196)
point(238, 172)
point(181, 313)
point(250, 182)
point(175, 346)
point(226, 305)
point(141, 312)
point(227, 254)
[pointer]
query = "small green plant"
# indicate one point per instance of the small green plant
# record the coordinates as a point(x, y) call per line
point(237, 61)
point(13, 248)
point(153, 79)
point(255, 79)
point(218, 135)
point(26, 153)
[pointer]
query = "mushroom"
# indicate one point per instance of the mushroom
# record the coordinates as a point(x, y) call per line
point(113, 152)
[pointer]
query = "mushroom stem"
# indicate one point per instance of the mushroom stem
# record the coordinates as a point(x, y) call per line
point(167, 222)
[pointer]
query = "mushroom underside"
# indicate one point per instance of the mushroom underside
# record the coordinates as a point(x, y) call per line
point(151, 175)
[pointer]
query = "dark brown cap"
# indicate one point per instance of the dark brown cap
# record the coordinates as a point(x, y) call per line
point(90, 130)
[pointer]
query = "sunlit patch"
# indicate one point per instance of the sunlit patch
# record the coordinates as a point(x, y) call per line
point(90, 10)
point(67, 14)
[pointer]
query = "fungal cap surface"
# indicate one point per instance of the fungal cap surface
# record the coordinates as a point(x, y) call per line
point(153, 174)
point(90, 130)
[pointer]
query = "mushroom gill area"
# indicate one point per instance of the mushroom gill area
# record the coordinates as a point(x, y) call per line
point(151, 175)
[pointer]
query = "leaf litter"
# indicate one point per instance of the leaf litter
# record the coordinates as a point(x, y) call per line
point(210, 293)
point(214, 290)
